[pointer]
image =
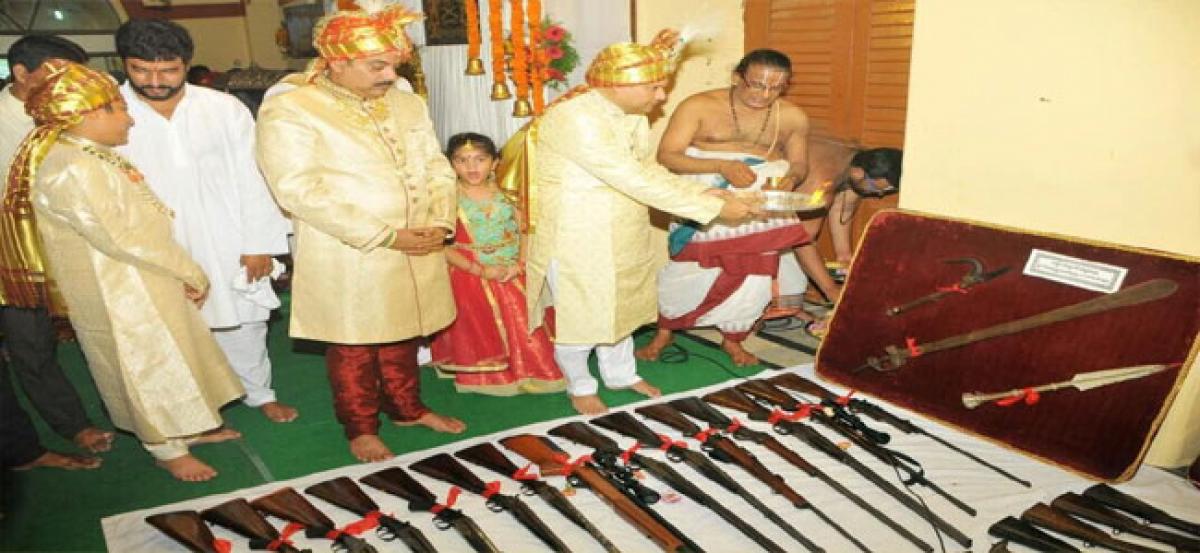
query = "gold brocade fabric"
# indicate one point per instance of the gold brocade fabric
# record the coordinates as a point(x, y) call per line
point(70, 91)
point(357, 34)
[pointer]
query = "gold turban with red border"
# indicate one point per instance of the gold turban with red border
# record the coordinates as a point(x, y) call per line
point(630, 63)
point(69, 92)
point(356, 34)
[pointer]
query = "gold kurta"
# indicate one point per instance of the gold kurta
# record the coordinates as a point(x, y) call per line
point(108, 243)
point(349, 171)
point(595, 176)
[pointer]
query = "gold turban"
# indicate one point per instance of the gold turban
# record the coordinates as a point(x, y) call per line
point(358, 33)
point(69, 92)
point(630, 63)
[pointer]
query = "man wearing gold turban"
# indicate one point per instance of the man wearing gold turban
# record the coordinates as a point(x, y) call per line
point(127, 285)
point(595, 177)
point(357, 164)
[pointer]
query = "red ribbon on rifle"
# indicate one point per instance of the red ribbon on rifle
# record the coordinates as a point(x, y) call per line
point(222, 546)
point(667, 443)
point(703, 436)
point(844, 400)
point(734, 426)
point(524, 474)
point(451, 497)
point(492, 488)
point(369, 521)
point(625, 455)
point(284, 537)
point(799, 414)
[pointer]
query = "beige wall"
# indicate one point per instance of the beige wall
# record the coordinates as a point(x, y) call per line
point(1071, 116)
point(220, 42)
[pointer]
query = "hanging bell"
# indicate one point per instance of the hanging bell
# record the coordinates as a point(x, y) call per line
point(475, 67)
point(500, 92)
point(521, 108)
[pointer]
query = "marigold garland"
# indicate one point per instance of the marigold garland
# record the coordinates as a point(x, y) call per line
point(537, 56)
point(520, 62)
point(496, 34)
point(471, 7)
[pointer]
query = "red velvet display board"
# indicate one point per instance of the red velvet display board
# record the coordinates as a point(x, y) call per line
point(1103, 432)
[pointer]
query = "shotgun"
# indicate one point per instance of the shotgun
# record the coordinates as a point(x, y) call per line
point(607, 452)
point(913, 473)
point(1053, 519)
point(289, 505)
point(344, 493)
point(734, 399)
point(187, 528)
point(625, 424)
point(489, 457)
point(447, 469)
point(400, 484)
point(696, 408)
point(723, 449)
point(1115, 498)
point(1021, 531)
point(552, 460)
point(1095, 511)
point(800, 384)
point(239, 516)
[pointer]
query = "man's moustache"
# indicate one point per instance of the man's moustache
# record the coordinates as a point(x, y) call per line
point(384, 84)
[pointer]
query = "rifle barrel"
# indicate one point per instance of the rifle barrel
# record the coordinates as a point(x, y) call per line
point(555, 498)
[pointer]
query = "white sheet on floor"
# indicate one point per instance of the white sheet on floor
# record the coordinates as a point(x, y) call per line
point(992, 495)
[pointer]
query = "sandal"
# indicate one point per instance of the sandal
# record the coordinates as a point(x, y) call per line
point(817, 329)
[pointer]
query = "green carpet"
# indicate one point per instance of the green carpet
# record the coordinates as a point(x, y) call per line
point(52, 510)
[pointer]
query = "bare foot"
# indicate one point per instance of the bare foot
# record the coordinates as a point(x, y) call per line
point(188, 468)
point(646, 389)
point(94, 440)
point(215, 435)
point(65, 461)
point(437, 423)
point(589, 405)
point(738, 354)
point(651, 351)
point(368, 448)
point(278, 412)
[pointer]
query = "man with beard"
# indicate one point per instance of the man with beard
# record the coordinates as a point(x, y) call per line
point(29, 335)
point(195, 145)
point(357, 164)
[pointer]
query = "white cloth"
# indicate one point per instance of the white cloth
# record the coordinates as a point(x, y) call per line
point(245, 347)
point(15, 125)
point(200, 162)
point(258, 293)
point(616, 362)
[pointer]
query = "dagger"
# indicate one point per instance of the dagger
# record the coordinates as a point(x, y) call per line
point(1082, 382)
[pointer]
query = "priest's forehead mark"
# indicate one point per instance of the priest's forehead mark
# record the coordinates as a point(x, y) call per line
point(765, 76)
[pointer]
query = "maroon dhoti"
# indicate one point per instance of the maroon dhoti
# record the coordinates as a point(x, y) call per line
point(367, 378)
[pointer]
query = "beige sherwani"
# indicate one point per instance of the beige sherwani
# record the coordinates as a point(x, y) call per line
point(349, 171)
point(108, 242)
point(596, 175)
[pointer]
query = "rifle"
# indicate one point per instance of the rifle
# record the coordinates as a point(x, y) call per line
point(723, 449)
point(734, 399)
point(344, 493)
point(1024, 533)
point(625, 424)
point(289, 505)
point(1115, 498)
point(447, 469)
point(186, 528)
point(550, 460)
point(488, 456)
point(239, 516)
point(400, 484)
point(803, 385)
point(1095, 511)
point(766, 391)
point(696, 408)
point(607, 451)
point(1053, 519)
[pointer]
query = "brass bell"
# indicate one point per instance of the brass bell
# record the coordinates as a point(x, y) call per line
point(521, 108)
point(500, 92)
point(475, 67)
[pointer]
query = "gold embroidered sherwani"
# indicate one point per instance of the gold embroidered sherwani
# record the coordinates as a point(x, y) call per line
point(349, 171)
point(595, 175)
point(108, 243)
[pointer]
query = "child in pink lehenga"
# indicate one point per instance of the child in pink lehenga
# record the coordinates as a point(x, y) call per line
point(488, 348)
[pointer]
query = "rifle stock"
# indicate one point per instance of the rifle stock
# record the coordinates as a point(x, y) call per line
point(344, 493)
point(446, 468)
point(1115, 498)
point(1048, 517)
point(1022, 532)
point(289, 505)
point(399, 483)
point(238, 516)
point(549, 459)
point(1090, 509)
point(488, 456)
point(186, 528)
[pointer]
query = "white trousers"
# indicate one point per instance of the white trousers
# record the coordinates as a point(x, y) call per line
point(245, 347)
point(618, 366)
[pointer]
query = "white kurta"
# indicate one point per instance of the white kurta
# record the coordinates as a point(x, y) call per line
point(15, 125)
point(200, 162)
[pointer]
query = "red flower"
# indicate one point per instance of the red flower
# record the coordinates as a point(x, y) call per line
point(553, 52)
point(553, 74)
point(554, 33)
